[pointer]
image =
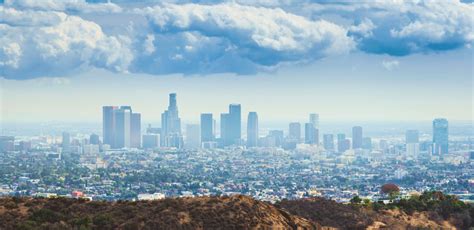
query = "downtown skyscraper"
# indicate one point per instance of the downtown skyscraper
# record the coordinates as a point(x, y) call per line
point(231, 126)
point(207, 127)
point(440, 136)
point(311, 134)
point(121, 127)
point(252, 129)
point(357, 138)
point(412, 142)
point(171, 125)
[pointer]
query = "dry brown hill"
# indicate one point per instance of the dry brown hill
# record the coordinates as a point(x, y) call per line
point(235, 212)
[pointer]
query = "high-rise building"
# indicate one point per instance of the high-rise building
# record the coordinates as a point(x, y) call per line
point(311, 134)
point(207, 127)
point(171, 124)
point(94, 139)
point(235, 123)
point(108, 124)
point(314, 119)
point(440, 136)
point(231, 126)
point(135, 131)
point(120, 126)
point(357, 137)
point(66, 142)
point(328, 141)
point(252, 129)
point(193, 136)
point(412, 142)
point(295, 132)
point(341, 143)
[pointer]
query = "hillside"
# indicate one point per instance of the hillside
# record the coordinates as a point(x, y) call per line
point(235, 212)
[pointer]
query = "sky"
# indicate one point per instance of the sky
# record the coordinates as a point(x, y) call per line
point(346, 60)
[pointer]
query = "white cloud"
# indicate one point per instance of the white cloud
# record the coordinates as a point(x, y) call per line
point(64, 5)
point(404, 27)
point(259, 35)
point(390, 64)
point(32, 45)
point(51, 37)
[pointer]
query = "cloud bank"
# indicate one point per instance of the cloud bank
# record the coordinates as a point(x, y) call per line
point(56, 38)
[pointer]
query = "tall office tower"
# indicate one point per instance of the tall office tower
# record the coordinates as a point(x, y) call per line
point(122, 127)
point(94, 139)
point(328, 141)
point(295, 132)
point(314, 119)
point(412, 142)
point(235, 124)
point(193, 136)
point(252, 129)
point(357, 137)
point(171, 124)
point(66, 142)
point(341, 137)
point(311, 134)
point(277, 136)
point(231, 126)
point(367, 143)
point(224, 139)
point(135, 130)
point(207, 127)
point(108, 124)
point(440, 136)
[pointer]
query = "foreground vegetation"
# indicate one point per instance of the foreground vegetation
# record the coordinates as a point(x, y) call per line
point(428, 210)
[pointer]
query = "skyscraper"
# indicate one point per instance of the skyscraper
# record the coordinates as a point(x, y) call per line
point(314, 119)
point(193, 136)
point(171, 124)
point(66, 142)
point(120, 126)
point(231, 126)
point(235, 123)
point(108, 124)
point(342, 143)
point(252, 129)
point(311, 134)
point(440, 136)
point(357, 137)
point(295, 131)
point(207, 127)
point(223, 136)
point(135, 130)
point(412, 142)
point(328, 141)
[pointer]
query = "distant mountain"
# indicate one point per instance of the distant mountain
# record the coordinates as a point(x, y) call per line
point(235, 212)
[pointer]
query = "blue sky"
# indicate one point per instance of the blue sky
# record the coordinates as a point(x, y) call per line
point(364, 60)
